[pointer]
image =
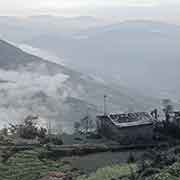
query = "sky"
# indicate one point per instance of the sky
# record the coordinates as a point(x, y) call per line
point(121, 9)
point(19, 4)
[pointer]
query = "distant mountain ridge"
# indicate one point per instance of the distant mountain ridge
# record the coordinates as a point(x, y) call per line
point(136, 53)
point(18, 29)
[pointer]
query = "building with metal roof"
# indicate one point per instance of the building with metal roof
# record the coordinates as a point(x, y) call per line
point(126, 128)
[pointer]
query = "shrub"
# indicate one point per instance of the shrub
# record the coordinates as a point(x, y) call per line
point(164, 176)
point(113, 172)
point(131, 158)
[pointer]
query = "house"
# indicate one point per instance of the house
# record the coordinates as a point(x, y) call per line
point(174, 117)
point(127, 128)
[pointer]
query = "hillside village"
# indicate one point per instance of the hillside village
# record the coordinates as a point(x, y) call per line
point(113, 133)
point(36, 147)
point(89, 90)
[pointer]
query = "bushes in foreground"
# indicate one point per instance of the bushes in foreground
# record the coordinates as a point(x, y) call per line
point(111, 172)
point(153, 165)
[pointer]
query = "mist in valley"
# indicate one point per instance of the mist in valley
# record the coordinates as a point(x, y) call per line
point(78, 59)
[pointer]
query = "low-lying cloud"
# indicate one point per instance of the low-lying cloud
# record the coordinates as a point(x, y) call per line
point(25, 93)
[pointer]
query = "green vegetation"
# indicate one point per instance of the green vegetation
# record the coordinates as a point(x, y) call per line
point(170, 173)
point(129, 172)
point(153, 165)
point(111, 172)
point(27, 160)
point(26, 166)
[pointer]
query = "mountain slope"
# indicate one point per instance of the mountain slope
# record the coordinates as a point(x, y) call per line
point(140, 54)
point(31, 85)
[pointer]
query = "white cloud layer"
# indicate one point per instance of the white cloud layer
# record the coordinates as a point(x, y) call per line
point(30, 93)
point(166, 10)
point(38, 4)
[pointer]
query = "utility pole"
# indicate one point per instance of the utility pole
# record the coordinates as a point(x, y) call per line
point(49, 127)
point(87, 120)
point(105, 106)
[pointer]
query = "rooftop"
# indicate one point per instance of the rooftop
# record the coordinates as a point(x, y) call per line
point(130, 119)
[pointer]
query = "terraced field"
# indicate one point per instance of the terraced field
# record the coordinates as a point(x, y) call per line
point(26, 166)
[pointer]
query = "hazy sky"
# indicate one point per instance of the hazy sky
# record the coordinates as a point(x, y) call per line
point(19, 4)
point(160, 9)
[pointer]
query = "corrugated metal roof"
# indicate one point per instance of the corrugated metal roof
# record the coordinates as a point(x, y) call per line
point(130, 119)
point(135, 123)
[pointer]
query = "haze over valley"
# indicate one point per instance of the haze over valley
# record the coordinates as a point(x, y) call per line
point(31, 85)
point(134, 54)
point(89, 90)
point(134, 62)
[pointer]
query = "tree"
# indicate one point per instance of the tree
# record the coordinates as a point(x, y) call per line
point(4, 131)
point(167, 108)
point(154, 114)
point(28, 129)
point(77, 126)
point(42, 132)
point(87, 124)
